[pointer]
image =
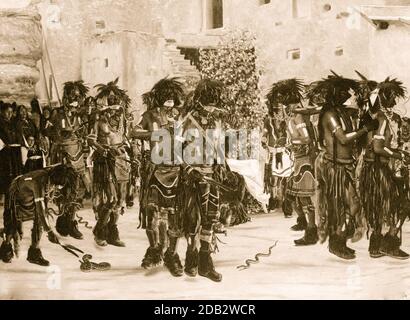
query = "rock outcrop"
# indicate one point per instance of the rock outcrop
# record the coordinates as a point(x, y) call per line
point(20, 50)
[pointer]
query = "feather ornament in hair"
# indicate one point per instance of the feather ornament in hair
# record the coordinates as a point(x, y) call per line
point(112, 88)
point(286, 92)
point(333, 90)
point(79, 85)
point(208, 91)
point(165, 89)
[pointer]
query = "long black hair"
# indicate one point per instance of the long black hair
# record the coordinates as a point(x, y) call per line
point(285, 92)
point(66, 177)
point(111, 89)
point(207, 91)
point(70, 87)
point(389, 91)
point(330, 93)
point(165, 89)
point(35, 106)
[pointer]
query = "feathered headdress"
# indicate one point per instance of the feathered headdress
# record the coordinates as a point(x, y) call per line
point(366, 87)
point(286, 92)
point(147, 99)
point(165, 89)
point(208, 91)
point(71, 86)
point(389, 91)
point(111, 89)
point(331, 91)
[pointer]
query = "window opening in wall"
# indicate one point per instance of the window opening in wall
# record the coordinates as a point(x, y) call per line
point(327, 7)
point(339, 51)
point(217, 8)
point(301, 8)
point(100, 24)
point(106, 62)
point(293, 54)
point(214, 14)
point(262, 2)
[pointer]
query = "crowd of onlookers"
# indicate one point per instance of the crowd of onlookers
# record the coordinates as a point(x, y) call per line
point(32, 127)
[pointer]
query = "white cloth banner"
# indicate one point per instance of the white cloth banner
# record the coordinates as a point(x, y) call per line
point(252, 171)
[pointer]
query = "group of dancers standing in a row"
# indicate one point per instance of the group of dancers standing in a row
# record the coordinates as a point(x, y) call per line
point(350, 162)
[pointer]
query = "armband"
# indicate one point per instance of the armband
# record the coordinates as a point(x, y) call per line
point(388, 151)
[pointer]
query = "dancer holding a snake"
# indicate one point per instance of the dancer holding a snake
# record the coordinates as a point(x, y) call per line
point(29, 195)
point(111, 163)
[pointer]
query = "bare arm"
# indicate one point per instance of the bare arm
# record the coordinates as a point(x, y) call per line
point(138, 133)
point(298, 131)
point(387, 152)
point(265, 133)
point(379, 142)
point(310, 112)
point(92, 138)
point(141, 131)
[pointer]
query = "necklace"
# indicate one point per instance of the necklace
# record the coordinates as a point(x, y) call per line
point(387, 113)
point(71, 124)
point(112, 126)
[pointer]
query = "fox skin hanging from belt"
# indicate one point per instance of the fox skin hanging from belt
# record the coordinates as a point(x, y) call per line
point(160, 212)
point(382, 197)
point(338, 202)
point(69, 134)
point(111, 170)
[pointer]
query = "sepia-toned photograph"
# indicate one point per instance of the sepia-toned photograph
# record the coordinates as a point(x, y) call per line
point(204, 150)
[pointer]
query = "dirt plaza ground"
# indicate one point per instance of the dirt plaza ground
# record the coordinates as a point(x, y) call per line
point(288, 273)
